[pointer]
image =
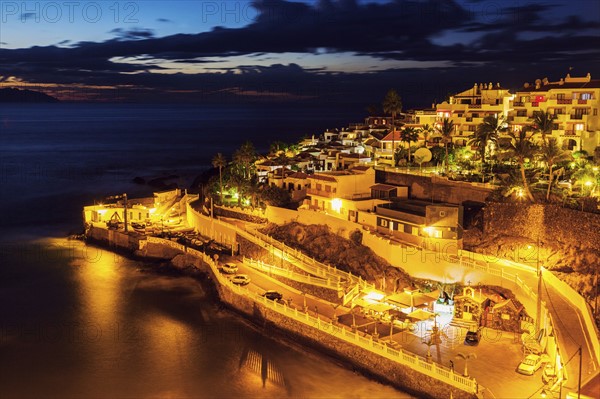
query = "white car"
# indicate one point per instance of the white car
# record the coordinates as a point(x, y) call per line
point(241, 279)
point(549, 373)
point(529, 365)
point(229, 268)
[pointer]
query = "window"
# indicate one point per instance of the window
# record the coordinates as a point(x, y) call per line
point(319, 186)
point(327, 188)
point(560, 96)
point(586, 96)
point(595, 111)
point(383, 222)
point(579, 126)
point(442, 214)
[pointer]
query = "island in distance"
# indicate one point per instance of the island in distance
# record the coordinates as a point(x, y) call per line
point(25, 96)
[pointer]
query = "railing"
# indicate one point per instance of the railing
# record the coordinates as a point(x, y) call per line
point(519, 104)
point(564, 101)
point(350, 295)
point(366, 342)
point(321, 193)
point(581, 101)
point(475, 106)
point(305, 262)
point(287, 273)
point(576, 117)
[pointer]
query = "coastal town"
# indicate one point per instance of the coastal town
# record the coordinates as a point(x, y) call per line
point(450, 251)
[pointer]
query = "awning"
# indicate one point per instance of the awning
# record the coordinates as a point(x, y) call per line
point(421, 314)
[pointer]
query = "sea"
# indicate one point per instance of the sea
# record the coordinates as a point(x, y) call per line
point(77, 321)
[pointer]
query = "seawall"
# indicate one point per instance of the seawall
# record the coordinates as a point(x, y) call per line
point(404, 370)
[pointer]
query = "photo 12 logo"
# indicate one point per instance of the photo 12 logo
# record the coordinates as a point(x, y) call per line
point(68, 11)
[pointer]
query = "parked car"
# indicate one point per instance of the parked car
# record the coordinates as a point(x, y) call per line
point(549, 373)
point(138, 225)
point(472, 338)
point(529, 365)
point(273, 295)
point(241, 279)
point(229, 268)
point(114, 225)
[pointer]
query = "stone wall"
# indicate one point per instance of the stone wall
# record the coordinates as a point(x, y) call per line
point(436, 188)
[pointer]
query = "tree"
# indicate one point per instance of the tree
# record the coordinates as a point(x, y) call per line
point(486, 133)
point(392, 105)
point(426, 130)
point(408, 135)
point(275, 196)
point(521, 149)
point(552, 154)
point(543, 122)
point(446, 129)
point(242, 169)
point(244, 159)
point(220, 162)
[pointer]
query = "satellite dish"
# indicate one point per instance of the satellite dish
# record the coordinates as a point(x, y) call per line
point(423, 154)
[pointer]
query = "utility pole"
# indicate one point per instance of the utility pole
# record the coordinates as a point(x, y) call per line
point(125, 210)
point(539, 290)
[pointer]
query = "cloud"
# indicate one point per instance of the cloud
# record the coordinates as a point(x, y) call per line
point(464, 42)
point(164, 20)
point(132, 34)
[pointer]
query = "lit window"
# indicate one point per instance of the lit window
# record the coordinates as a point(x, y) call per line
point(579, 126)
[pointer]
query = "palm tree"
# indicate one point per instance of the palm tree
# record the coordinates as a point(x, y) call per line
point(543, 122)
point(392, 105)
point(426, 130)
point(487, 132)
point(552, 154)
point(522, 148)
point(446, 129)
point(244, 159)
point(220, 162)
point(408, 135)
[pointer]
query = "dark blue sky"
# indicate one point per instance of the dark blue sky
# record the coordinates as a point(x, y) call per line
point(325, 51)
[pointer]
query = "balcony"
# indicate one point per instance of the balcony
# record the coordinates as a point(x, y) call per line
point(581, 101)
point(564, 101)
point(518, 104)
point(535, 104)
point(474, 106)
point(570, 133)
point(320, 193)
point(576, 117)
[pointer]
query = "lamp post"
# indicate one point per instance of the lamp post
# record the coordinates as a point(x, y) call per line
point(539, 289)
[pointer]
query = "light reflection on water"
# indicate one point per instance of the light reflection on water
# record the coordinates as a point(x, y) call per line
point(109, 327)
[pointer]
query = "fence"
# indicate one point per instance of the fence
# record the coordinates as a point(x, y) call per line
point(287, 273)
point(366, 342)
point(308, 264)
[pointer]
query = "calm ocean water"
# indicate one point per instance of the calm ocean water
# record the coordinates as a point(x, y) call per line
point(78, 322)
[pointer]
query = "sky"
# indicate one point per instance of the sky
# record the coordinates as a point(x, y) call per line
point(321, 51)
